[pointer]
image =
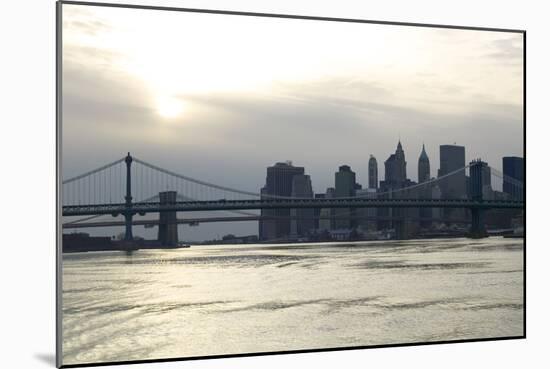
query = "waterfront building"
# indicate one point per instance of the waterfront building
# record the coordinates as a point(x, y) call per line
point(513, 168)
point(278, 182)
point(302, 222)
point(317, 211)
point(451, 159)
point(327, 223)
point(366, 217)
point(344, 186)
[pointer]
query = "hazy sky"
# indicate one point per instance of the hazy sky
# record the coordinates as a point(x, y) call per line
point(220, 97)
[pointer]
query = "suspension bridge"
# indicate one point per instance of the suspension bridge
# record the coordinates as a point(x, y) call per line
point(129, 187)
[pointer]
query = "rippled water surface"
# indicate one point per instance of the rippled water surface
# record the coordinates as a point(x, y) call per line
point(210, 300)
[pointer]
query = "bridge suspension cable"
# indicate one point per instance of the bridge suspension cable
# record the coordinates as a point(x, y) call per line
point(197, 181)
point(506, 178)
point(106, 166)
point(106, 184)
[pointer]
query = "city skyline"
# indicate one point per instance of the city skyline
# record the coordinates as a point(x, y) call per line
point(211, 113)
point(396, 177)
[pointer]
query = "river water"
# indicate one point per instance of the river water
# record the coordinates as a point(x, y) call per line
point(211, 300)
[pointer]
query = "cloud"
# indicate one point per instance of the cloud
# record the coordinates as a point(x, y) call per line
point(507, 50)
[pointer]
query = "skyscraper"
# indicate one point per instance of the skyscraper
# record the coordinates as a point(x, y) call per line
point(452, 161)
point(303, 221)
point(396, 168)
point(278, 182)
point(373, 172)
point(327, 223)
point(344, 186)
point(423, 166)
point(424, 192)
point(513, 168)
point(452, 158)
point(395, 177)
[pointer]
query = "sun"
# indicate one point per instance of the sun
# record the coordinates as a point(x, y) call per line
point(169, 107)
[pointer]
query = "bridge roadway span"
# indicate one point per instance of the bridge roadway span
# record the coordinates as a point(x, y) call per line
point(156, 207)
point(249, 218)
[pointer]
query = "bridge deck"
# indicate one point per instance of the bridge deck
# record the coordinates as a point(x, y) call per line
point(156, 207)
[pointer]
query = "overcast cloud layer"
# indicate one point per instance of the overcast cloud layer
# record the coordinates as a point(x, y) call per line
point(253, 91)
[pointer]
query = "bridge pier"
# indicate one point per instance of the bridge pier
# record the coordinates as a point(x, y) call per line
point(168, 227)
point(128, 236)
point(128, 212)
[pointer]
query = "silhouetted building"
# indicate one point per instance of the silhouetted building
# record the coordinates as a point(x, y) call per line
point(513, 169)
point(278, 183)
point(366, 217)
point(452, 159)
point(391, 187)
point(327, 223)
point(423, 166)
point(303, 223)
point(436, 213)
point(373, 172)
point(424, 192)
point(344, 186)
point(317, 211)
point(396, 168)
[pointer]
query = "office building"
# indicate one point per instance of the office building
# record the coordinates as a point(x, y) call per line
point(513, 169)
point(278, 183)
point(452, 159)
point(302, 222)
point(344, 186)
point(373, 172)
point(423, 166)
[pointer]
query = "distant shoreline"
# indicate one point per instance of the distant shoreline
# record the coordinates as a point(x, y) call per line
point(151, 247)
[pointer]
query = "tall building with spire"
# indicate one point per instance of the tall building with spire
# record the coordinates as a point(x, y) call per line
point(423, 166)
point(396, 168)
point(373, 172)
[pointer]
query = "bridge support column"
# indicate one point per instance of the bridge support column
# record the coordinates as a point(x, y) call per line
point(128, 220)
point(128, 214)
point(168, 228)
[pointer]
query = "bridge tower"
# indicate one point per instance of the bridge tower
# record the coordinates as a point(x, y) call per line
point(168, 228)
point(476, 187)
point(128, 214)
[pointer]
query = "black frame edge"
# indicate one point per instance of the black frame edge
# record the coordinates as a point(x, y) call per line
point(287, 16)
